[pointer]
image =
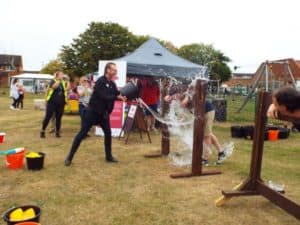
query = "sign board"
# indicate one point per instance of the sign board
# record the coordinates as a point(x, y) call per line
point(117, 115)
point(135, 116)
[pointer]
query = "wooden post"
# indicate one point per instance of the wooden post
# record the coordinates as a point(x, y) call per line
point(254, 185)
point(165, 134)
point(199, 113)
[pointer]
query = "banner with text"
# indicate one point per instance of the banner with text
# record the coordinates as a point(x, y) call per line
point(117, 115)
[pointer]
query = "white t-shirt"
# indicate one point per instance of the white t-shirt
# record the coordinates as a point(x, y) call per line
point(14, 91)
point(87, 94)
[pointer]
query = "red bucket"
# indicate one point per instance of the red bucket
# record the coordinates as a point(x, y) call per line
point(15, 161)
point(2, 137)
point(273, 135)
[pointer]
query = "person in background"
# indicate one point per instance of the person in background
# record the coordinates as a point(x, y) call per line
point(21, 91)
point(286, 101)
point(84, 93)
point(56, 100)
point(52, 120)
point(185, 98)
point(150, 95)
point(14, 93)
point(100, 107)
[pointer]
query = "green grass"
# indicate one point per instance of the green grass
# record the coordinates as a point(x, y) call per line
point(138, 190)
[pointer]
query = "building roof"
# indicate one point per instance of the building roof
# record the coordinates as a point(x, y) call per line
point(10, 60)
point(152, 59)
point(34, 76)
point(238, 82)
point(241, 75)
point(278, 71)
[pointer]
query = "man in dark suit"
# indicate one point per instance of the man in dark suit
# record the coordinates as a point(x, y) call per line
point(100, 106)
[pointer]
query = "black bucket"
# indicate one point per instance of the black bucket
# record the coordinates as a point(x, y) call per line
point(237, 132)
point(36, 163)
point(36, 209)
point(130, 90)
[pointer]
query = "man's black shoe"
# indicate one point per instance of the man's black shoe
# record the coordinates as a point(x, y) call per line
point(111, 160)
point(68, 162)
point(57, 135)
point(42, 134)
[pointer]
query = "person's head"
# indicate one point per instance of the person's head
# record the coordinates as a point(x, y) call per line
point(58, 75)
point(287, 98)
point(16, 80)
point(83, 80)
point(110, 70)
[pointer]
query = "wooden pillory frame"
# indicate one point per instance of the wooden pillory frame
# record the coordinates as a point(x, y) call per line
point(254, 184)
point(198, 133)
point(199, 111)
point(165, 135)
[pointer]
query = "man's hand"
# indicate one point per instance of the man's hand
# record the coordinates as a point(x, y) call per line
point(168, 98)
point(272, 111)
point(122, 98)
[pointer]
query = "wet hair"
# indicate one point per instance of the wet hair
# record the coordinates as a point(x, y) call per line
point(178, 89)
point(15, 80)
point(289, 97)
point(107, 66)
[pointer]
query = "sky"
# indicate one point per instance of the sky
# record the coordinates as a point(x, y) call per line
point(248, 31)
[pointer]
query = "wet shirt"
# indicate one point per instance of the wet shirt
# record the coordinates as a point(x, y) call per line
point(209, 106)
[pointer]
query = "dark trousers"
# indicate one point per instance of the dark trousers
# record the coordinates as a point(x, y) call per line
point(82, 110)
point(57, 110)
point(20, 102)
point(92, 118)
point(15, 101)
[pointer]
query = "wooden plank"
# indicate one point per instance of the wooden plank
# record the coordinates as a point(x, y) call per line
point(199, 111)
point(279, 199)
point(258, 138)
point(238, 193)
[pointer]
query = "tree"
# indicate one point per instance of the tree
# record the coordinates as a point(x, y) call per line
point(207, 55)
point(100, 41)
point(53, 66)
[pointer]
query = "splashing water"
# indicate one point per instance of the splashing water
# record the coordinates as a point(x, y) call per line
point(180, 123)
point(182, 155)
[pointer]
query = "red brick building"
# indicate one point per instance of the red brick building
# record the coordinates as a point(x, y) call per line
point(10, 65)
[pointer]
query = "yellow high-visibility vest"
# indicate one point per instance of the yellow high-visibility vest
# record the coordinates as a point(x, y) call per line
point(51, 90)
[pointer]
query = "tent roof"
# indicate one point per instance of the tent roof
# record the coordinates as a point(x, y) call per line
point(39, 76)
point(151, 58)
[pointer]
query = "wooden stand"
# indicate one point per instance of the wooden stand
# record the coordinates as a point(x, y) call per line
point(199, 109)
point(254, 185)
point(135, 116)
point(165, 135)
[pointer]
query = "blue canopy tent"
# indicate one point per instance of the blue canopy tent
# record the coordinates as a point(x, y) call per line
point(152, 59)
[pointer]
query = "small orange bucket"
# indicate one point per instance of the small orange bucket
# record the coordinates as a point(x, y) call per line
point(273, 135)
point(15, 161)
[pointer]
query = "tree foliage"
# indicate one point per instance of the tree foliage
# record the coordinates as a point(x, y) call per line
point(53, 66)
point(107, 41)
point(100, 41)
point(208, 56)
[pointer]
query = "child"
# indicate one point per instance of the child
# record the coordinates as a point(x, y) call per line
point(21, 92)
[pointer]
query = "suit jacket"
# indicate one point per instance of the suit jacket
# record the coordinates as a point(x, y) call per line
point(104, 95)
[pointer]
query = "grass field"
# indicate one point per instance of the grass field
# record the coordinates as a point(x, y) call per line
point(138, 190)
